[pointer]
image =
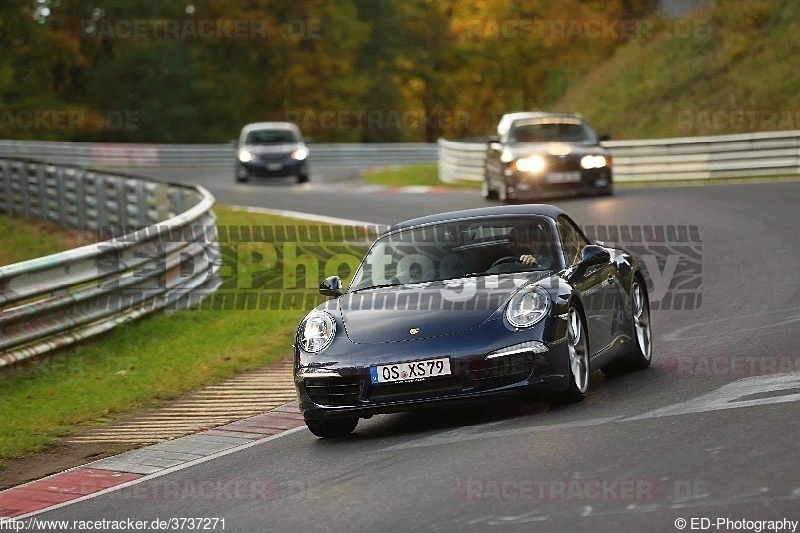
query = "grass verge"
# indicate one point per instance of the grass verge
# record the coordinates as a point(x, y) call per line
point(424, 175)
point(25, 239)
point(141, 364)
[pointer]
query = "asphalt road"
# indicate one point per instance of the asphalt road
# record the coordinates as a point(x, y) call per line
point(709, 431)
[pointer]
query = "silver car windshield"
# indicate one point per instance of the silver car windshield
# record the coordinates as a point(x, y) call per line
point(271, 137)
point(456, 250)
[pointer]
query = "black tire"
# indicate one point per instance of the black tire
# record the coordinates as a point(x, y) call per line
point(241, 175)
point(578, 346)
point(502, 194)
point(338, 427)
point(486, 191)
point(640, 354)
point(302, 178)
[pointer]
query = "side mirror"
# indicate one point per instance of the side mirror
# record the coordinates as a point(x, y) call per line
point(604, 137)
point(234, 143)
point(331, 286)
point(593, 254)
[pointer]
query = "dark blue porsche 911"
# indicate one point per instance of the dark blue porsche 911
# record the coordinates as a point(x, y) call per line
point(470, 305)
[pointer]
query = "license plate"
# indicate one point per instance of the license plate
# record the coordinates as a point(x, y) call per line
point(563, 177)
point(413, 371)
point(274, 166)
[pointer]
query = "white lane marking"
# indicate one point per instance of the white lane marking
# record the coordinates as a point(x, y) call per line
point(163, 472)
point(478, 432)
point(734, 395)
point(680, 334)
point(779, 388)
point(307, 216)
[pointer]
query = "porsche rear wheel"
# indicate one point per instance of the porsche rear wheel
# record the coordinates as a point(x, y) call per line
point(578, 349)
point(338, 427)
point(641, 351)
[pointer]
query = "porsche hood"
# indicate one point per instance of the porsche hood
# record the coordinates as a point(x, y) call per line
point(420, 311)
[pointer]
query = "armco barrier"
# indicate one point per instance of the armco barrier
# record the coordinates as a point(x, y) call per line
point(163, 252)
point(687, 158)
point(350, 156)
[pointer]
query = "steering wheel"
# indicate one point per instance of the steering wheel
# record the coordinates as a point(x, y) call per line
point(506, 259)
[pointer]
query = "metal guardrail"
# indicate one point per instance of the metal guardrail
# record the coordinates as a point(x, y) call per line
point(687, 158)
point(170, 155)
point(162, 254)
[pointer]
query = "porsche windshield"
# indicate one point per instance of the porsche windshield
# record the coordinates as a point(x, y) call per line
point(459, 249)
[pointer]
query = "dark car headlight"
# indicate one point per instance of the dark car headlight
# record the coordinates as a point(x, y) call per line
point(534, 163)
point(527, 307)
point(595, 161)
point(318, 331)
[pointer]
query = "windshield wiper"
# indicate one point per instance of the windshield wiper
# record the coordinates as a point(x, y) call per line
point(381, 286)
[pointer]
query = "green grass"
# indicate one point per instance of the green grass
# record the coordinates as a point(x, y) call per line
point(143, 363)
point(731, 69)
point(21, 240)
point(426, 175)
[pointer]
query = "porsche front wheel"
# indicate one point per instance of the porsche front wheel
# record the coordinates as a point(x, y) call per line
point(578, 349)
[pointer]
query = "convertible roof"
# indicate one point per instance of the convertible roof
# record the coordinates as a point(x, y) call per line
point(546, 210)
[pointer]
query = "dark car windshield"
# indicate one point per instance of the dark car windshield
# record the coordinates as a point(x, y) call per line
point(456, 250)
point(551, 129)
point(271, 137)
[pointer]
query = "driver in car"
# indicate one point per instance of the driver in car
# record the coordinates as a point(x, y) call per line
point(531, 252)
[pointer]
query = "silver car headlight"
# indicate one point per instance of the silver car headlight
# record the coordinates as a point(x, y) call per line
point(594, 161)
point(245, 156)
point(300, 154)
point(527, 307)
point(319, 329)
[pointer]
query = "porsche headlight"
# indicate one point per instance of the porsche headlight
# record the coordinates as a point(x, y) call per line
point(319, 329)
point(245, 156)
point(300, 154)
point(534, 163)
point(594, 161)
point(527, 307)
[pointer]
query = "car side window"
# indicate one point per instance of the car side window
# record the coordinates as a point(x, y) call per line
point(572, 241)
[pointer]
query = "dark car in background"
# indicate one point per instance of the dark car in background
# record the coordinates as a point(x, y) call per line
point(537, 155)
point(503, 301)
point(271, 149)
